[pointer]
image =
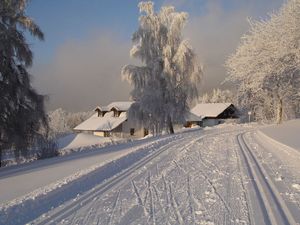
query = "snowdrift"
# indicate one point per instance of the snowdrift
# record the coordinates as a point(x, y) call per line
point(286, 133)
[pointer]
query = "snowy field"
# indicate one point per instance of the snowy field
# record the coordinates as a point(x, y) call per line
point(82, 142)
point(231, 174)
point(287, 133)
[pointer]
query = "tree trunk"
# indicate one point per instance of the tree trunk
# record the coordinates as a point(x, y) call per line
point(279, 111)
point(170, 125)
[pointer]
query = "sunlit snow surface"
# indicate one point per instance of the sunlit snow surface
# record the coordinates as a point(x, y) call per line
point(197, 176)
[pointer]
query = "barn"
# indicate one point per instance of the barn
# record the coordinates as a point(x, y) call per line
point(112, 121)
point(212, 114)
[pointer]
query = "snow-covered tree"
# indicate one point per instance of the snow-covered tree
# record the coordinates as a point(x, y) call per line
point(21, 108)
point(169, 76)
point(266, 64)
point(62, 122)
point(218, 96)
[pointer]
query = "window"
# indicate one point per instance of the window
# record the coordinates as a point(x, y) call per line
point(131, 131)
point(116, 112)
point(98, 111)
point(146, 132)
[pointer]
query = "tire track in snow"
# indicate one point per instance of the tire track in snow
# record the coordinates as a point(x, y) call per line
point(275, 211)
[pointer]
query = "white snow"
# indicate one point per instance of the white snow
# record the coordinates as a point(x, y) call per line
point(120, 106)
point(296, 186)
point(209, 109)
point(193, 177)
point(287, 133)
point(106, 123)
point(191, 117)
point(52, 173)
point(80, 140)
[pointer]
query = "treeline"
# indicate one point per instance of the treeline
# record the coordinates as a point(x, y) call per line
point(266, 66)
point(62, 122)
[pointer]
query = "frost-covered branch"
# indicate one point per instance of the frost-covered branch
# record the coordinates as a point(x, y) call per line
point(170, 76)
point(266, 64)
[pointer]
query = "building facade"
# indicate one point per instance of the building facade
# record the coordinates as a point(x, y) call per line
point(112, 121)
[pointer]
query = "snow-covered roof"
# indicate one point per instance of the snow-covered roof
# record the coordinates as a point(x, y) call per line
point(106, 123)
point(102, 108)
point(120, 106)
point(210, 109)
point(191, 117)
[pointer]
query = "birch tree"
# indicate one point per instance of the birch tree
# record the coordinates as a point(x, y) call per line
point(21, 108)
point(169, 76)
point(266, 64)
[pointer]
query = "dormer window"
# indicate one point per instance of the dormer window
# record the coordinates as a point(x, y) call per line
point(116, 112)
point(98, 111)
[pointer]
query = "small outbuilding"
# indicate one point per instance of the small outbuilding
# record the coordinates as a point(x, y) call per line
point(212, 114)
point(112, 121)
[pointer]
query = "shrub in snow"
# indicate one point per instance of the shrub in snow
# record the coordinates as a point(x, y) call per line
point(170, 75)
point(46, 148)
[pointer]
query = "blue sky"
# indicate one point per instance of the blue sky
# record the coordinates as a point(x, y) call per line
point(88, 41)
point(62, 20)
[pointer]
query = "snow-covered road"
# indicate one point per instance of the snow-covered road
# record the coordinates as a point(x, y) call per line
point(214, 176)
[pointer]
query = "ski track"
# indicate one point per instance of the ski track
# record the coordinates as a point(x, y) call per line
point(282, 172)
point(199, 177)
point(275, 211)
point(186, 181)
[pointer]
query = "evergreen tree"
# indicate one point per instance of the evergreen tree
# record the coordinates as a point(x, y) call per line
point(21, 108)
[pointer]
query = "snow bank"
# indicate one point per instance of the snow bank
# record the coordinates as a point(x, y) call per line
point(286, 133)
point(72, 141)
point(78, 142)
point(53, 194)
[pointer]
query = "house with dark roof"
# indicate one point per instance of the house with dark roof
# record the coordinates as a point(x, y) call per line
point(112, 121)
point(212, 114)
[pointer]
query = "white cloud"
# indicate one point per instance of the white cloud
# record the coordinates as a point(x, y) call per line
point(85, 73)
point(216, 34)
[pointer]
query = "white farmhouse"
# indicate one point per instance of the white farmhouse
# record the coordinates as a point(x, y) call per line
point(215, 113)
point(112, 120)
